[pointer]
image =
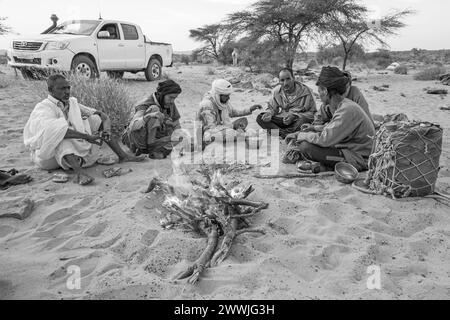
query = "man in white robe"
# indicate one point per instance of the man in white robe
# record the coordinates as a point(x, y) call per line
point(63, 133)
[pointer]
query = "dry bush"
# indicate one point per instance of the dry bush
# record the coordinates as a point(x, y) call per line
point(4, 82)
point(210, 71)
point(401, 69)
point(108, 95)
point(429, 74)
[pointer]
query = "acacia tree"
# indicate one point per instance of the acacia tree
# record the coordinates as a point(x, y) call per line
point(358, 29)
point(214, 36)
point(4, 29)
point(289, 22)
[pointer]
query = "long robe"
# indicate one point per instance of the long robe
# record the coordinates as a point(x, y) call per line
point(350, 130)
point(136, 135)
point(45, 130)
point(216, 122)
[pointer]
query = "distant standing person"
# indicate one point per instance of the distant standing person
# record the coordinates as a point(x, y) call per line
point(292, 105)
point(235, 56)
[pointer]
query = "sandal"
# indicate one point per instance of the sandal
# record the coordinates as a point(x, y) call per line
point(60, 178)
point(107, 161)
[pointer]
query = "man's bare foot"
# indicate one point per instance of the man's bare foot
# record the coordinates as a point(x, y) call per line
point(130, 158)
point(83, 179)
point(156, 155)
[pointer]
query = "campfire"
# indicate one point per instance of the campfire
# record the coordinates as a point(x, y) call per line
point(214, 210)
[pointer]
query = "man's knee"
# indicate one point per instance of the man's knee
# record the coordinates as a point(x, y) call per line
point(153, 123)
point(304, 147)
point(260, 121)
point(50, 164)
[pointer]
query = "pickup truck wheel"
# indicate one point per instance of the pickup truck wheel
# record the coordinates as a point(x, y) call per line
point(154, 70)
point(84, 67)
point(115, 74)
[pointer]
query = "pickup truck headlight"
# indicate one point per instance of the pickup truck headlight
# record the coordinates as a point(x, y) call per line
point(56, 45)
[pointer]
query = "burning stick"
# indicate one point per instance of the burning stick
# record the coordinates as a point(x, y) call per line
point(211, 210)
point(193, 272)
point(227, 241)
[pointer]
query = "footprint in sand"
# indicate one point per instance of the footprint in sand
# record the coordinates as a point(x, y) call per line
point(149, 237)
point(87, 265)
point(96, 230)
point(6, 289)
point(334, 210)
point(6, 230)
point(330, 257)
point(283, 226)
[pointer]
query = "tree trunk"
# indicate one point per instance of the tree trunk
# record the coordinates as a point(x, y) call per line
point(344, 65)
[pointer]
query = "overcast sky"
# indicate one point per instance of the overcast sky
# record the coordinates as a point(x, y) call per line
point(171, 20)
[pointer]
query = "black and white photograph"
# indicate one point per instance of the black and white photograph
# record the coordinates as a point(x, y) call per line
point(246, 152)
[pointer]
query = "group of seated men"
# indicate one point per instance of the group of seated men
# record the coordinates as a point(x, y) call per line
point(62, 133)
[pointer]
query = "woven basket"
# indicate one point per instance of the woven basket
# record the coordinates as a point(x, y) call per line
point(405, 159)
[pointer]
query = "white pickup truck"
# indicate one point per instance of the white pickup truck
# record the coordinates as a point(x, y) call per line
point(88, 47)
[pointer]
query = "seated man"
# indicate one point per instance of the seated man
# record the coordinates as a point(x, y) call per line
point(154, 121)
point(347, 137)
point(216, 112)
point(291, 106)
point(61, 132)
point(325, 113)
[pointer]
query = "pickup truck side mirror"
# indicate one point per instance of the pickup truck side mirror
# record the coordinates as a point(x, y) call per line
point(104, 35)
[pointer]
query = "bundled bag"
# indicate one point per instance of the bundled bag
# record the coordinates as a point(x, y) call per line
point(405, 159)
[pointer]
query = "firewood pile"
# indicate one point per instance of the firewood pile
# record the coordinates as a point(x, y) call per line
point(216, 210)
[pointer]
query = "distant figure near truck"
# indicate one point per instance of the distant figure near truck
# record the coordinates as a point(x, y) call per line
point(88, 47)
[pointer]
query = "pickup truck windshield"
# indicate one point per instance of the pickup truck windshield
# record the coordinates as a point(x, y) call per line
point(78, 27)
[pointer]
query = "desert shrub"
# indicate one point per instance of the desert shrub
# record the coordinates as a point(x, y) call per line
point(447, 57)
point(108, 95)
point(4, 82)
point(382, 58)
point(185, 59)
point(210, 71)
point(263, 57)
point(429, 74)
point(328, 54)
point(401, 69)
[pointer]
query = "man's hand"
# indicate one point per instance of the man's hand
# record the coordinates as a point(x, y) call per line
point(292, 137)
point(168, 122)
point(158, 115)
point(94, 139)
point(289, 118)
point(307, 127)
point(267, 117)
point(255, 107)
point(106, 136)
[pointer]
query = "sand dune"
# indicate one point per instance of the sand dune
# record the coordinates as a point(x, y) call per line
point(321, 235)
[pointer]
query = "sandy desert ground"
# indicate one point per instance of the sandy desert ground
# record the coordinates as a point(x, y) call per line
point(323, 237)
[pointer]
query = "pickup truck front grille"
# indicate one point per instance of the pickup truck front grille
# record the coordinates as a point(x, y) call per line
point(27, 46)
point(28, 61)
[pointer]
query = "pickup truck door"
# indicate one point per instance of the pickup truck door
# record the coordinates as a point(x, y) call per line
point(134, 47)
point(111, 52)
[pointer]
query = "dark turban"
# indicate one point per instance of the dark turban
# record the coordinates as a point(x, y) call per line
point(165, 88)
point(333, 78)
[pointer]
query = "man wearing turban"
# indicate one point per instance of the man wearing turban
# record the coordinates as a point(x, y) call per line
point(153, 122)
point(325, 113)
point(347, 137)
point(216, 112)
point(292, 105)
